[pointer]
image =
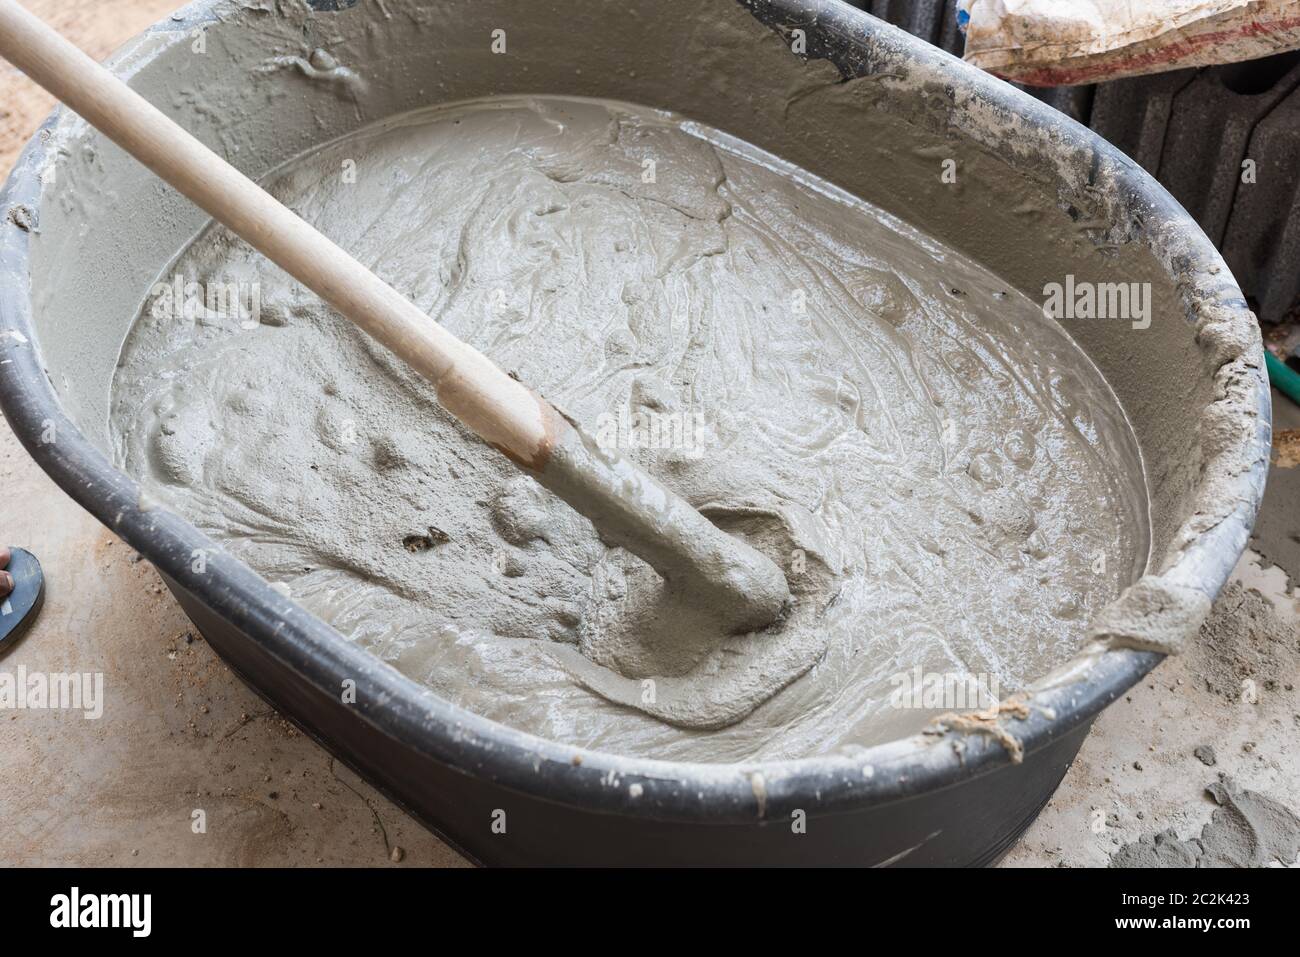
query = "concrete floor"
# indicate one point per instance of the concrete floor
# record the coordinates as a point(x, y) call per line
point(179, 733)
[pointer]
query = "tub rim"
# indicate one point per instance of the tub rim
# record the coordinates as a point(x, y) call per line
point(687, 791)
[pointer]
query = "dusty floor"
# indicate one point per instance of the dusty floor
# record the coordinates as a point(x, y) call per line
point(179, 733)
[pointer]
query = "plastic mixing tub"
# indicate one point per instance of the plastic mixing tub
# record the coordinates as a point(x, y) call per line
point(850, 98)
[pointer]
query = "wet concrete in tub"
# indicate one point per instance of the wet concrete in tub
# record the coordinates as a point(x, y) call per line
point(946, 479)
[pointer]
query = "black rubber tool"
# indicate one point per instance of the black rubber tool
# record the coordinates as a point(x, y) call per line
point(20, 607)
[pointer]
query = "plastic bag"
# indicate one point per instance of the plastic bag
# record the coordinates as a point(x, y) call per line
point(1062, 42)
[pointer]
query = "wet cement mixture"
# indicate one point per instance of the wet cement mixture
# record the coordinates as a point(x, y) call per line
point(945, 478)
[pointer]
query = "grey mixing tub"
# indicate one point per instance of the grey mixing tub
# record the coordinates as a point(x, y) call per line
point(861, 104)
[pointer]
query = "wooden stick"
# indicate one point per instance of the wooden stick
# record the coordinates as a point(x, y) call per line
point(627, 505)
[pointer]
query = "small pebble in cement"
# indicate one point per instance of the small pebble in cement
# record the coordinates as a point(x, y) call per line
point(1205, 754)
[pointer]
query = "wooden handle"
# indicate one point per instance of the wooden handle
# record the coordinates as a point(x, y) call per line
point(500, 410)
point(627, 505)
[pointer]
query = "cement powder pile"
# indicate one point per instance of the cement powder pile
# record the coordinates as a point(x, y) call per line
point(1247, 829)
point(1244, 648)
point(947, 480)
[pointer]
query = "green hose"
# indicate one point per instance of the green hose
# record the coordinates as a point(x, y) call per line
point(1285, 379)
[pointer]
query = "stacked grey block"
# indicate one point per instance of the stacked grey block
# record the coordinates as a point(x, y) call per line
point(934, 21)
point(1262, 241)
point(1195, 130)
point(1134, 113)
point(1192, 130)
